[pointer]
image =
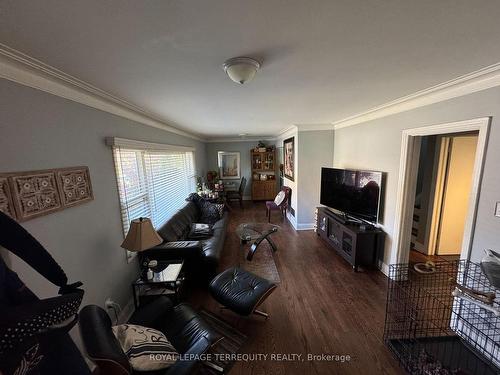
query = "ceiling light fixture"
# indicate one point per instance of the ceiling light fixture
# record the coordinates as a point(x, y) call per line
point(241, 69)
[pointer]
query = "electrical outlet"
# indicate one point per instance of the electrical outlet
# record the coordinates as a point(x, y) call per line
point(113, 309)
point(497, 209)
point(109, 303)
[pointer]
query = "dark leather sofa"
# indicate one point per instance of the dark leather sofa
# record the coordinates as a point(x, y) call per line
point(201, 257)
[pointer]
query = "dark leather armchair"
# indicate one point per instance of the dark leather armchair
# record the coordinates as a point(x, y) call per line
point(183, 327)
point(237, 195)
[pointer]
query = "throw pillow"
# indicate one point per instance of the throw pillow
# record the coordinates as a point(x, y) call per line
point(279, 198)
point(220, 207)
point(193, 197)
point(147, 349)
point(210, 212)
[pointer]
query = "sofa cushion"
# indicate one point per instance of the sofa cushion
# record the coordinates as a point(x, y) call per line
point(222, 223)
point(181, 224)
point(167, 232)
point(191, 211)
point(213, 246)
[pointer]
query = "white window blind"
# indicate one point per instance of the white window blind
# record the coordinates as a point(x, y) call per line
point(152, 183)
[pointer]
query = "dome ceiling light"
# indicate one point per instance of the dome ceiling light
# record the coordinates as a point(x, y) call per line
point(241, 69)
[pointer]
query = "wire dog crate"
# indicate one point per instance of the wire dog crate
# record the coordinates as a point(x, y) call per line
point(432, 332)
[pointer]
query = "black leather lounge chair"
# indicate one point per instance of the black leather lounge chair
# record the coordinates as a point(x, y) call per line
point(183, 327)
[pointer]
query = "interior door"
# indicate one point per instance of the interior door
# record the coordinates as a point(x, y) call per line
point(456, 194)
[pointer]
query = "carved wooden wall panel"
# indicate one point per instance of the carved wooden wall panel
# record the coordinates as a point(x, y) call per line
point(75, 185)
point(35, 194)
point(6, 204)
point(26, 195)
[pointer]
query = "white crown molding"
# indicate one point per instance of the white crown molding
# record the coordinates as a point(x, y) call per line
point(283, 133)
point(314, 127)
point(25, 70)
point(20, 68)
point(287, 132)
point(479, 80)
point(234, 139)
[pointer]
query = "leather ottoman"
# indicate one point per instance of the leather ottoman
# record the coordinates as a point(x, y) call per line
point(241, 291)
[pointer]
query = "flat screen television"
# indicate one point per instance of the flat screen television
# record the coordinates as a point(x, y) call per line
point(354, 193)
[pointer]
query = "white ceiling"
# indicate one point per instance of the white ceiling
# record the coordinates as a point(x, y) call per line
point(322, 60)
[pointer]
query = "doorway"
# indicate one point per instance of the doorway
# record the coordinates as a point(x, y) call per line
point(443, 187)
point(411, 148)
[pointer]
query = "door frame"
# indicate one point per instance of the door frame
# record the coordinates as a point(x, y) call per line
point(408, 169)
point(438, 193)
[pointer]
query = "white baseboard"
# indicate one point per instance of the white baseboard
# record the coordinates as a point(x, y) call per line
point(420, 247)
point(292, 220)
point(384, 268)
point(305, 226)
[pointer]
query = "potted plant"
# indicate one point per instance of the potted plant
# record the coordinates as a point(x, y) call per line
point(199, 183)
point(211, 176)
point(262, 146)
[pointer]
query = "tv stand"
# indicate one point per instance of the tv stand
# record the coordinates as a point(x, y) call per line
point(357, 242)
point(344, 218)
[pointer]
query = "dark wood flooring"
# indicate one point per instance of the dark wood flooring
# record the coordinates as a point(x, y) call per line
point(320, 307)
point(416, 257)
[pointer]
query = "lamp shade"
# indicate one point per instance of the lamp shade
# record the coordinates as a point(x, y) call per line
point(141, 235)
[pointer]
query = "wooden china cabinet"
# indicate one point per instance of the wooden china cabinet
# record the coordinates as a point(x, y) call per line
point(263, 174)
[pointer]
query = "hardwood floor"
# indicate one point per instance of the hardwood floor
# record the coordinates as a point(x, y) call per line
point(416, 257)
point(320, 307)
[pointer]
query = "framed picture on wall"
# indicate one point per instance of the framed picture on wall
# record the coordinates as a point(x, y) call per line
point(229, 164)
point(289, 158)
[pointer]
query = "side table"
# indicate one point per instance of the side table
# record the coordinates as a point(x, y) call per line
point(168, 279)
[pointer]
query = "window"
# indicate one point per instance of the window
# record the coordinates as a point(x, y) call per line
point(153, 179)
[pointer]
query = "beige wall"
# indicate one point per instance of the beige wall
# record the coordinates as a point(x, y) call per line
point(456, 194)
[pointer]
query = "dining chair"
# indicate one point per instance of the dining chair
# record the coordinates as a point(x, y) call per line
point(280, 203)
point(238, 194)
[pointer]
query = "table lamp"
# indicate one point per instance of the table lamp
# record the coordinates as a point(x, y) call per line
point(141, 235)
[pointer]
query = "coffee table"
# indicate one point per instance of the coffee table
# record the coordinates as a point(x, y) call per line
point(256, 232)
